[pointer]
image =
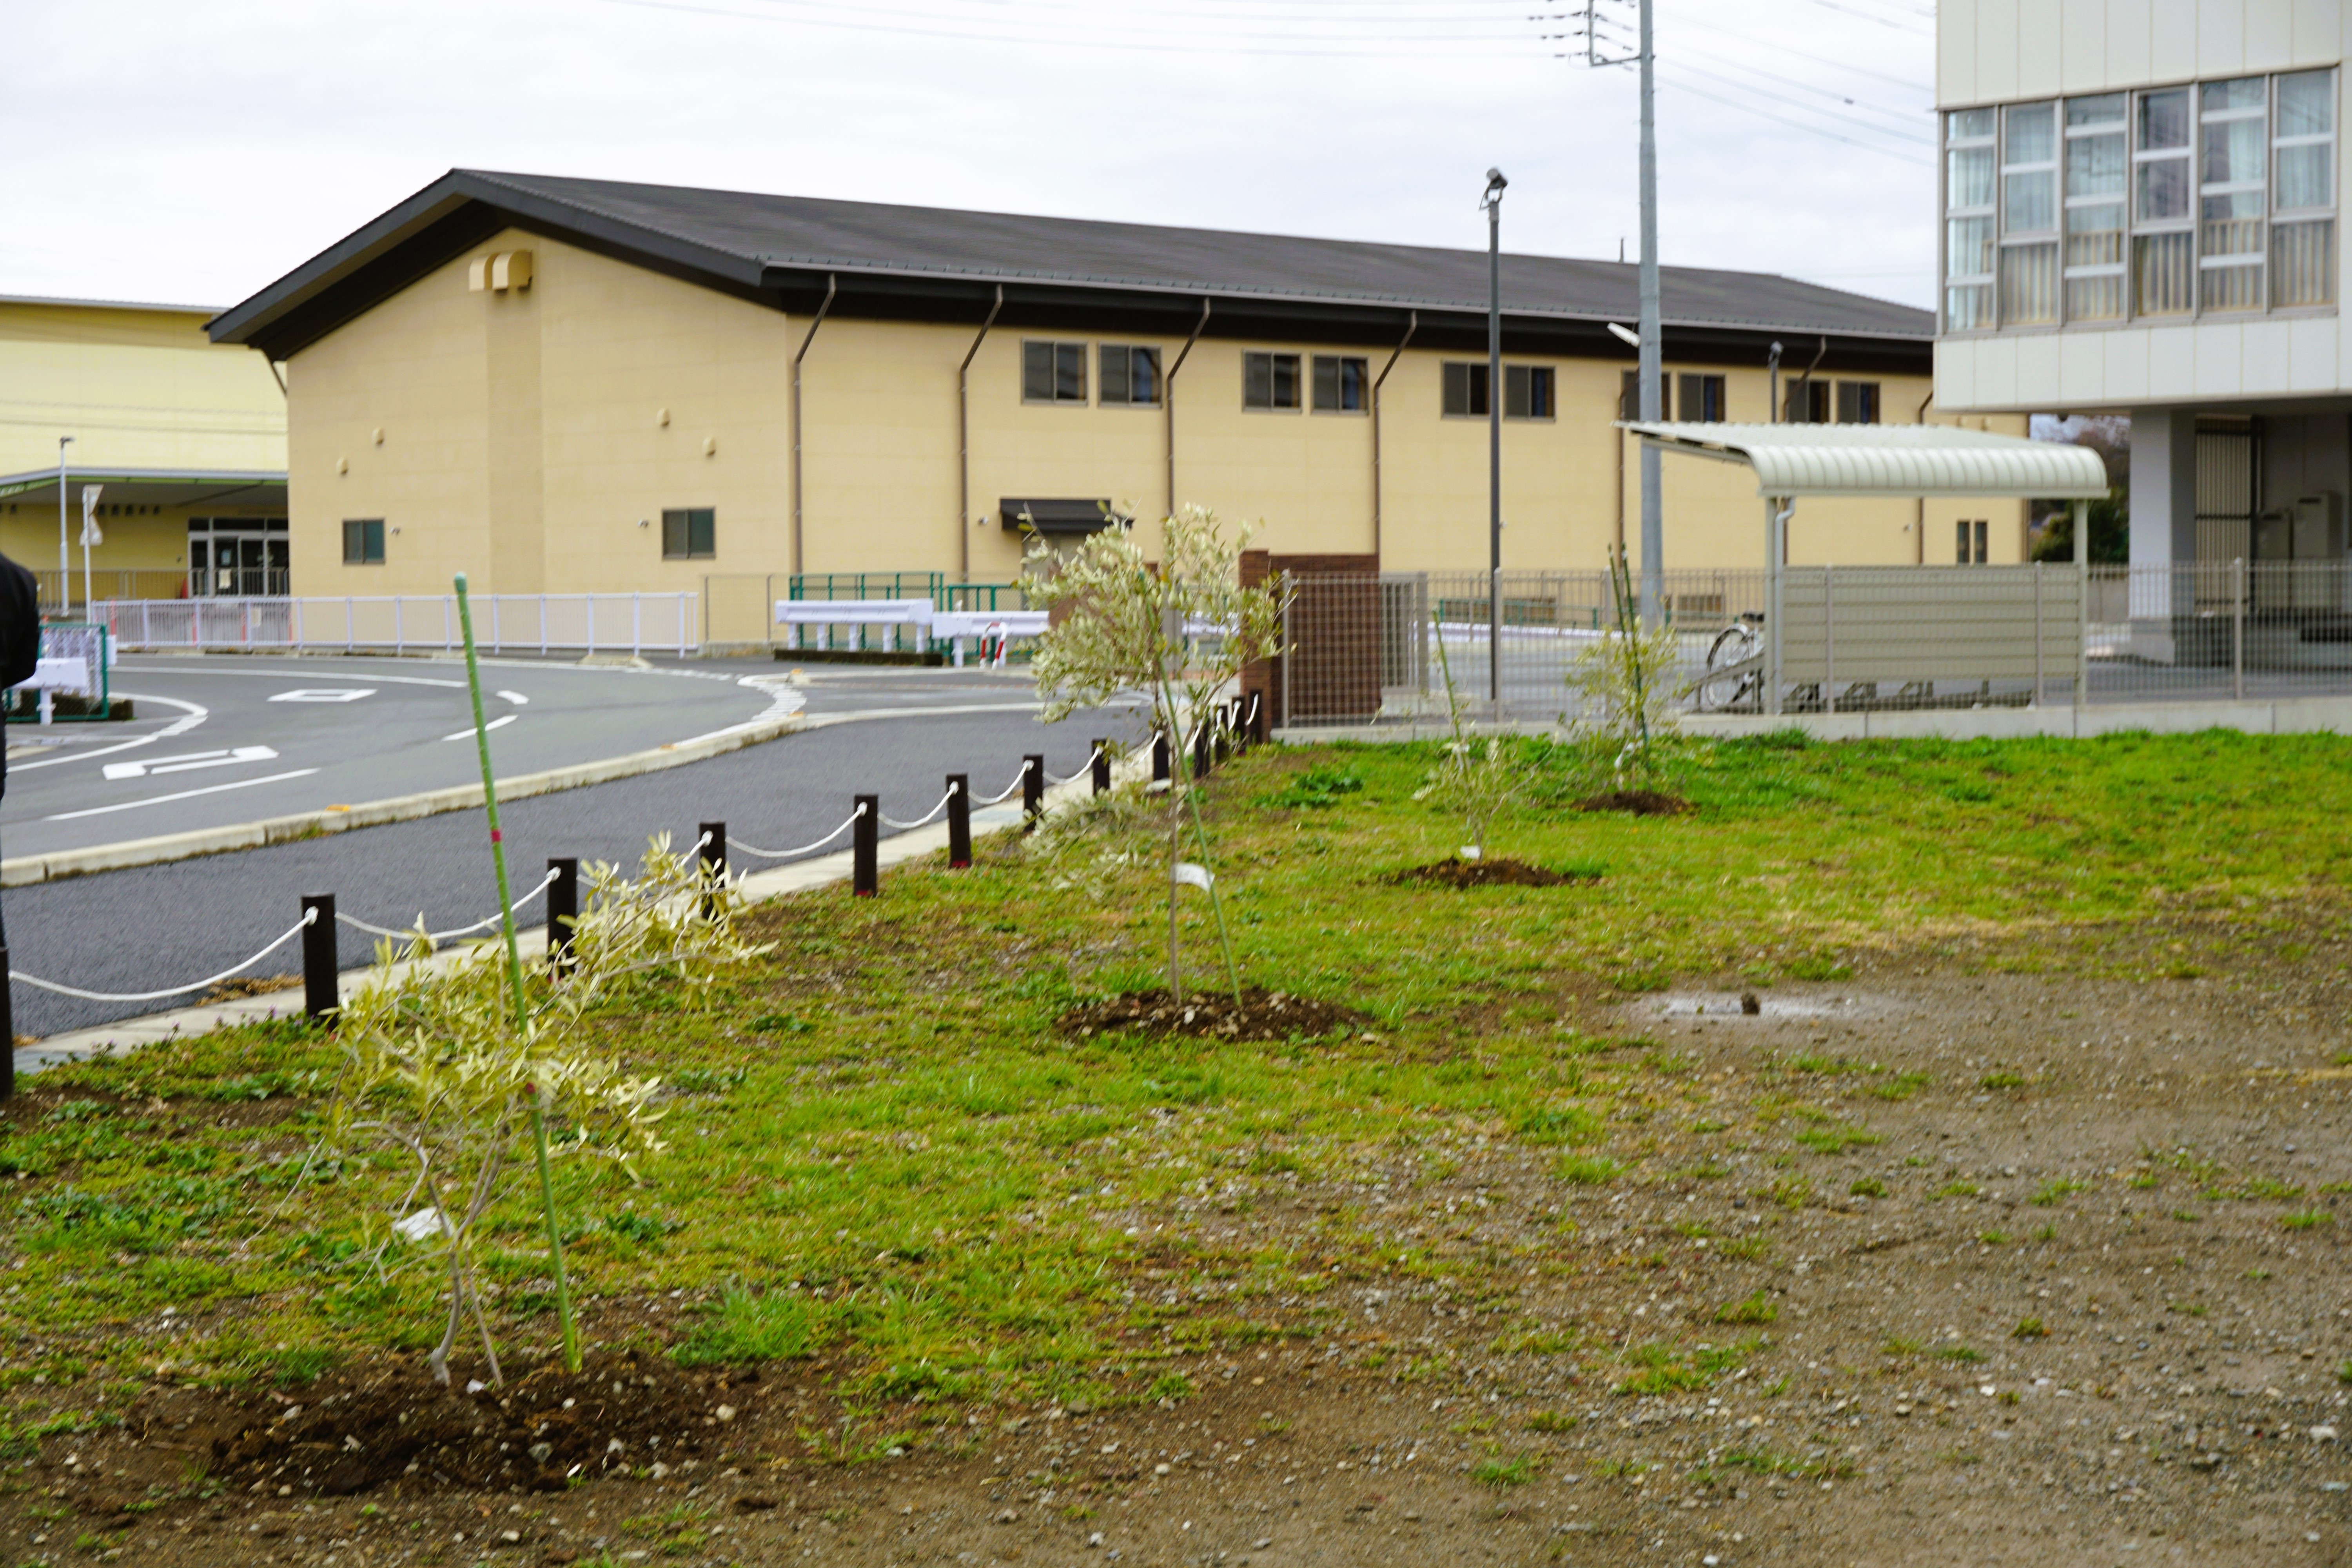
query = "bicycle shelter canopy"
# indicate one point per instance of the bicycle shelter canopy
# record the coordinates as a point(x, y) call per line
point(1907, 460)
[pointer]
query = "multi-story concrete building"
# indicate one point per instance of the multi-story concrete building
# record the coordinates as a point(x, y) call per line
point(2141, 210)
point(563, 384)
point(185, 438)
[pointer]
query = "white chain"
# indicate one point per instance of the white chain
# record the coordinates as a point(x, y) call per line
point(735, 843)
point(309, 918)
point(889, 821)
point(484, 922)
point(1092, 758)
point(1018, 780)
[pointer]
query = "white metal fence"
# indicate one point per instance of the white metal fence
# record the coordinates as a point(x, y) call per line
point(1372, 649)
point(405, 623)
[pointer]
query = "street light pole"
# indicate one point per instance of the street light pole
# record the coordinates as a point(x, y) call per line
point(65, 562)
point(1653, 531)
point(1493, 202)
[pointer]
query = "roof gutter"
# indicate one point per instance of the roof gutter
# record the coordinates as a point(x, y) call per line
point(963, 443)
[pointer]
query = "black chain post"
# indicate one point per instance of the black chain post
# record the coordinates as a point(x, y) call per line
point(562, 913)
point(1160, 756)
point(866, 847)
point(713, 857)
point(959, 821)
point(1101, 767)
point(1258, 718)
point(1200, 746)
point(320, 996)
point(8, 1031)
point(1032, 792)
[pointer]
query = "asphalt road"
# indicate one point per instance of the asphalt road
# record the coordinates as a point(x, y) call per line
point(226, 740)
point(152, 926)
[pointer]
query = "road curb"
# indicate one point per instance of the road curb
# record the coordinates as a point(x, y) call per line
point(28, 869)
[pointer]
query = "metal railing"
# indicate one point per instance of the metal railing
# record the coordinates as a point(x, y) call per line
point(405, 623)
point(1368, 649)
point(159, 582)
point(738, 607)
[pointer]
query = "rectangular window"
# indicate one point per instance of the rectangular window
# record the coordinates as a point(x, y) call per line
point(363, 542)
point(1700, 399)
point(2303, 163)
point(1131, 376)
point(1342, 384)
point(1972, 542)
point(2029, 215)
point(1053, 372)
point(1968, 220)
point(2098, 179)
point(1269, 381)
point(1526, 392)
point(1807, 403)
point(689, 533)
point(1466, 388)
point(1857, 402)
point(2163, 244)
point(2232, 154)
point(1629, 396)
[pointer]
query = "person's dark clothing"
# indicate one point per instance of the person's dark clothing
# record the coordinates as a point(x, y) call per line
point(20, 634)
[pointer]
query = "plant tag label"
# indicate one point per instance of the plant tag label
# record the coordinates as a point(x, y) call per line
point(1193, 875)
point(424, 1222)
point(1470, 852)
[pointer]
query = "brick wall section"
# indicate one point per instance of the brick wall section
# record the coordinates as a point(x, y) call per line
point(1335, 627)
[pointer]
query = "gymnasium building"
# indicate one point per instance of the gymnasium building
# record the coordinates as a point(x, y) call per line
point(566, 386)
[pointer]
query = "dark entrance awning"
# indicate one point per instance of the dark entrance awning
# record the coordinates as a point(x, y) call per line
point(1080, 516)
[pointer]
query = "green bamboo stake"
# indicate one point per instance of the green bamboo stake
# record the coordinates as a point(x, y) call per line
point(514, 977)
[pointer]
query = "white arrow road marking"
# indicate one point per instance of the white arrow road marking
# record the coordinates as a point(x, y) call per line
point(323, 694)
point(194, 715)
point(497, 723)
point(188, 761)
point(183, 794)
point(517, 697)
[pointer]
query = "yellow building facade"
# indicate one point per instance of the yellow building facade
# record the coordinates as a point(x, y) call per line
point(185, 438)
point(545, 384)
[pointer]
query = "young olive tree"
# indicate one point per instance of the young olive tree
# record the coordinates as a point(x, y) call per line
point(437, 1067)
point(1178, 629)
point(1628, 683)
point(1475, 776)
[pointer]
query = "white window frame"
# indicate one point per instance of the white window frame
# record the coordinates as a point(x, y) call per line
point(2068, 202)
point(2258, 187)
point(1991, 212)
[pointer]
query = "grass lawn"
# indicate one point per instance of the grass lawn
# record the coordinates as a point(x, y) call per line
point(883, 1156)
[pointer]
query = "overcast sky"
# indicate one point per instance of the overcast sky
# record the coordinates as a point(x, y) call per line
point(193, 152)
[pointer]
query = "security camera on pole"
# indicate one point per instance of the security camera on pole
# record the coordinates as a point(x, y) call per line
point(89, 536)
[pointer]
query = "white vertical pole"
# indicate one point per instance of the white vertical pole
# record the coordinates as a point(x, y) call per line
point(1652, 349)
point(2082, 604)
point(637, 622)
point(1829, 638)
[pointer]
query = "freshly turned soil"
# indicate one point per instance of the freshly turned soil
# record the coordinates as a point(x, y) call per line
point(1453, 872)
point(374, 1422)
point(1638, 802)
point(1263, 1016)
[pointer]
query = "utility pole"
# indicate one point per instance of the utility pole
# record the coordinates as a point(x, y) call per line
point(1651, 347)
point(1493, 202)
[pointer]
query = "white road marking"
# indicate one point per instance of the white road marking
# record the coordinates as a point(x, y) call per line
point(188, 761)
point(183, 794)
point(497, 723)
point(517, 697)
point(195, 715)
point(209, 670)
point(321, 694)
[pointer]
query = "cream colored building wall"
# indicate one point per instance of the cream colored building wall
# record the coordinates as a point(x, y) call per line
point(526, 435)
point(153, 540)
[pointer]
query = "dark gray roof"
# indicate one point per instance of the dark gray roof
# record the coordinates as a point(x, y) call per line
point(758, 242)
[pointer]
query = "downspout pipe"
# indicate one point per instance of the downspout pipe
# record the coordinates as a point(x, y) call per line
point(1167, 402)
point(1920, 545)
point(799, 560)
point(963, 443)
point(1412, 325)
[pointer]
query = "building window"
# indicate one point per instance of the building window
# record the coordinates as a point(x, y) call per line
point(2029, 215)
point(689, 533)
point(2232, 151)
point(1977, 534)
point(1629, 396)
point(1968, 220)
point(1269, 381)
point(2098, 177)
point(1526, 392)
point(1053, 372)
point(2215, 197)
point(244, 556)
point(362, 542)
point(1700, 399)
point(1807, 403)
point(1466, 388)
point(1342, 384)
point(1857, 402)
point(2303, 165)
point(1130, 375)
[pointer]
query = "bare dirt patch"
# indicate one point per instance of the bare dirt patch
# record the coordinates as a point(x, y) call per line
point(1502, 872)
point(1262, 1014)
point(1637, 803)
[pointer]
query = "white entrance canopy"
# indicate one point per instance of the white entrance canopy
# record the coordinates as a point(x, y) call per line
point(1907, 460)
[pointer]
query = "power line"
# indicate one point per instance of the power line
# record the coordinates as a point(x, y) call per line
point(1684, 64)
point(1805, 55)
point(1878, 147)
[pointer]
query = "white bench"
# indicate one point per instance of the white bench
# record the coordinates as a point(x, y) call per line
point(891, 613)
point(53, 673)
